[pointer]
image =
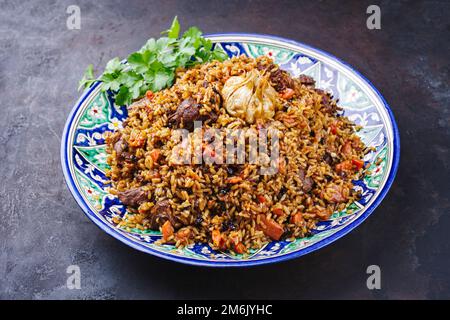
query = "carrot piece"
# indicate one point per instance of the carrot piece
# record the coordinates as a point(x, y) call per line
point(297, 219)
point(149, 95)
point(344, 166)
point(218, 239)
point(183, 235)
point(155, 154)
point(167, 230)
point(261, 198)
point(270, 228)
point(277, 211)
point(194, 176)
point(358, 163)
point(282, 165)
point(210, 204)
point(347, 148)
point(240, 248)
point(287, 93)
point(234, 180)
point(333, 128)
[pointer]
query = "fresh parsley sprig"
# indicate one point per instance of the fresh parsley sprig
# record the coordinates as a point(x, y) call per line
point(153, 66)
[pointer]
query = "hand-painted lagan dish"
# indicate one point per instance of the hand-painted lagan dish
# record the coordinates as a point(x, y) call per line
point(233, 206)
point(174, 83)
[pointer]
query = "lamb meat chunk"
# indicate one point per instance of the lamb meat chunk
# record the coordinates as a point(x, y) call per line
point(160, 213)
point(281, 80)
point(328, 158)
point(327, 101)
point(308, 182)
point(307, 80)
point(133, 197)
point(187, 112)
point(120, 146)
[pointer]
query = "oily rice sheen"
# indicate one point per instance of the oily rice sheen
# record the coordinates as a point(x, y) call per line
point(234, 207)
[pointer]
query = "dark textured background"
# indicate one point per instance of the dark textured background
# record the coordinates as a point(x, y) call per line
point(42, 230)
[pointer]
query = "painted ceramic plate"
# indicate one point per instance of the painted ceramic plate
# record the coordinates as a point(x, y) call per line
point(83, 153)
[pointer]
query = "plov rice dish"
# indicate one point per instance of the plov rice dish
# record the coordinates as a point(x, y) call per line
point(234, 206)
point(231, 152)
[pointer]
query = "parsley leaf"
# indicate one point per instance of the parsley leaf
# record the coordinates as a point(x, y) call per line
point(174, 30)
point(154, 66)
point(139, 61)
point(88, 78)
point(123, 97)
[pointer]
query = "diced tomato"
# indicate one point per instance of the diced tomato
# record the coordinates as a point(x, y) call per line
point(270, 228)
point(358, 163)
point(167, 230)
point(155, 175)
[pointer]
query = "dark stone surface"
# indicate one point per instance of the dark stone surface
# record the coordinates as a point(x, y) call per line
point(42, 230)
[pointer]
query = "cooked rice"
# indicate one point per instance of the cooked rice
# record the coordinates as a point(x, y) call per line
point(200, 196)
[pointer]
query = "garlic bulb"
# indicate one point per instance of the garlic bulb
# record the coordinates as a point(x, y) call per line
point(250, 97)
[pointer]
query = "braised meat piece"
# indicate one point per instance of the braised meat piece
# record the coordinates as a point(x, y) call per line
point(281, 80)
point(160, 213)
point(308, 182)
point(307, 80)
point(187, 112)
point(133, 197)
point(327, 101)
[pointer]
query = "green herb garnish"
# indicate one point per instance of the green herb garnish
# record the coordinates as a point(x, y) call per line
point(88, 77)
point(153, 66)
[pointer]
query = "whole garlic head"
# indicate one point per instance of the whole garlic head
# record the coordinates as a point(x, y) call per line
point(250, 97)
